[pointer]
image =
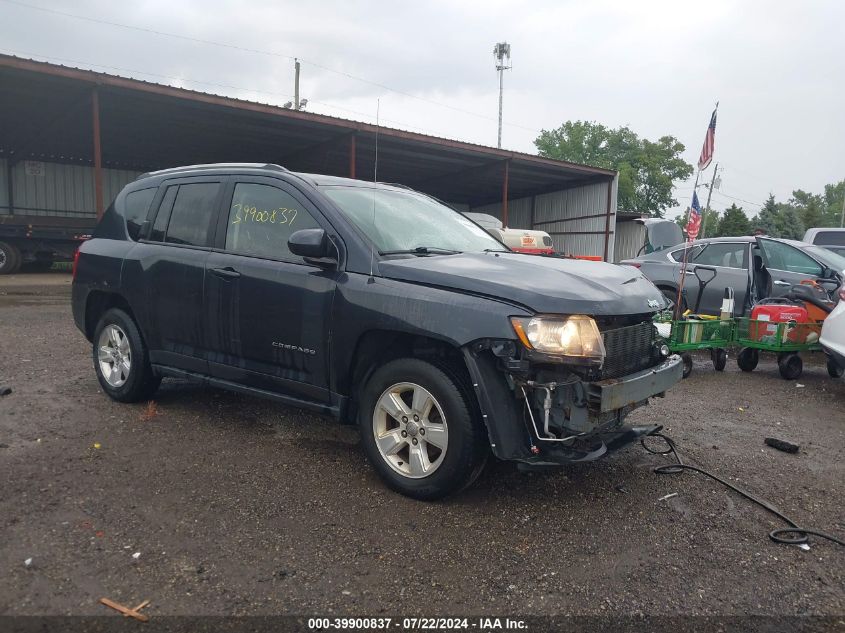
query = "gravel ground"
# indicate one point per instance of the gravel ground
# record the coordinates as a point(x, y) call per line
point(207, 502)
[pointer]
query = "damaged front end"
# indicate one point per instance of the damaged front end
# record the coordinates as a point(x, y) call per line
point(560, 393)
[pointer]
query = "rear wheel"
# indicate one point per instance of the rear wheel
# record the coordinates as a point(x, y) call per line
point(747, 359)
point(834, 370)
point(419, 431)
point(790, 365)
point(10, 258)
point(121, 360)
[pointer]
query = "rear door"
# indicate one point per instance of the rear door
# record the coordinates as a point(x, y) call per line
point(172, 258)
point(786, 265)
point(268, 310)
point(729, 260)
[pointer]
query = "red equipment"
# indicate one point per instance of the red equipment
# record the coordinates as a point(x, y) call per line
point(766, 316)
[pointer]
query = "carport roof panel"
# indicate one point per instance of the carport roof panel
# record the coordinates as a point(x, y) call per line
point(45, 113)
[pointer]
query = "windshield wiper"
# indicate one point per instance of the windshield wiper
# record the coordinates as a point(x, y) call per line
point(422, 250)
point(495, 250)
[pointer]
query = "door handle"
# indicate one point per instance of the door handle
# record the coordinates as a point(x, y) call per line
point(689, 272)
point(226, 273)
point(781, 282)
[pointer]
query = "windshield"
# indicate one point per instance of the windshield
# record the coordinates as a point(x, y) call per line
point(827, 257)
point(404, 221)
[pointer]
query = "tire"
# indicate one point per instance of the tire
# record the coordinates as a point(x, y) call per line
point(672, 296)
point(407, 459)
point(833, 369)
point(116, 339)
point(720, 358)
point(10, 258)
point(686, 357)
point(747, 359)
point(790, 365)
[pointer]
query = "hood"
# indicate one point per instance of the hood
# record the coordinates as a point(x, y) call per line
point(543, 284)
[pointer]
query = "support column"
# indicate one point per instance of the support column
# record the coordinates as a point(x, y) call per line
point(352, 156)
point(607, 219)
point(505, 194)
point(98, 158)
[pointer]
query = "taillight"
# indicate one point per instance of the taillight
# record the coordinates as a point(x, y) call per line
point(75, 262)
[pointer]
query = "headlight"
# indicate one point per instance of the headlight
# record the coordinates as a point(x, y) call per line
point(577, 336)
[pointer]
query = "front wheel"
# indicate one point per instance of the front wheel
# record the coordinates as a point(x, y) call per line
point(419, 430)
point(834, 370)
point(121, 360)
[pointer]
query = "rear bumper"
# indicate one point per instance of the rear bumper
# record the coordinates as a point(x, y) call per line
point(616, 393)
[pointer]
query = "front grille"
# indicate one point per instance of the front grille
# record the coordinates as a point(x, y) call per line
point(629, 349)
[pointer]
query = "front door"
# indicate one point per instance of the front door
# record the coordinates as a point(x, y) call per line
point(787, 266)
point(268, 310)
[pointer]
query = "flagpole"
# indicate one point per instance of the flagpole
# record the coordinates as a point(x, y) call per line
point(686, 252)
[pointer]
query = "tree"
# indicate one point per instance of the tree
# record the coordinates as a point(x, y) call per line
point(646, 169)
point(734, 223)
point(767, 218)
point(833, 200)
point(788, 223)
point(809, 207)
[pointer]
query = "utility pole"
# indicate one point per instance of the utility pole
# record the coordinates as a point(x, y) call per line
point(296, 84)
point(707, 206)
point(502, 52)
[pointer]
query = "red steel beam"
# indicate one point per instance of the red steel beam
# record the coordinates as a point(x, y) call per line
point(98, 158)
point(607, 219)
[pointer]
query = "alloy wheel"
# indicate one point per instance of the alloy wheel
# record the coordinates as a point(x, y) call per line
point(410, 430)
point(114, 355)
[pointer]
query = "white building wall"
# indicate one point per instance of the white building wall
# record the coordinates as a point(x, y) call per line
point(630, 237)
point(59, 189)
point(561, 213)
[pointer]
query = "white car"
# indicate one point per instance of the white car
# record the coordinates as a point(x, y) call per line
point(833, 337)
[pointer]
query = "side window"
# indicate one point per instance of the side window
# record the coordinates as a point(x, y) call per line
point(678, 255)
point(780, 256)
point(190, 220)
point(726, 254)
point(163, 215)
point(262, 218)
point(135, 209)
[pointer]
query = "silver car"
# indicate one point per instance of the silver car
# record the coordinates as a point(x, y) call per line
point(755, 267)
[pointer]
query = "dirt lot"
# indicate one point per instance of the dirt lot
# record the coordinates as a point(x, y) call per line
point(240, 506)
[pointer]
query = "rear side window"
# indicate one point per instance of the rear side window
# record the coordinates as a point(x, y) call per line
point(190, 219)
point(725, 254)
point(262, 218)
point(135, 209)
point(832, 238)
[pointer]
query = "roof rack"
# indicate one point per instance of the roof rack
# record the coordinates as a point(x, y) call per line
point(187, 168)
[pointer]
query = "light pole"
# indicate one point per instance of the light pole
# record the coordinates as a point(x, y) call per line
point(502, 53)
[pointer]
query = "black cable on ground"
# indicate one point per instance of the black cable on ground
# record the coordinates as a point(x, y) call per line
point(793, 535)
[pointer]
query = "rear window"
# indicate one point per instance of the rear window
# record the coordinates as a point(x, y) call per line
point(135, 209)
point(830, 238)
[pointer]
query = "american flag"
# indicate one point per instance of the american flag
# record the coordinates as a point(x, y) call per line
point(694, 221)
point(709, 143)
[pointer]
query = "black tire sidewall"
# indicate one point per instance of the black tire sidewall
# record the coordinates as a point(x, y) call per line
point(140, 383)
point(13, 258)
point(467, 439)
point(720, 359)
point(791, 366)
point(747, 359)
point(686, 357)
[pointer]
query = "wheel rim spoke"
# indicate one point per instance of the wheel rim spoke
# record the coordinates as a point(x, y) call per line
point(437, 435)
point(391, 442)
point(104, 354)
point(394, 406)
point(418, 460)
point(421, 402)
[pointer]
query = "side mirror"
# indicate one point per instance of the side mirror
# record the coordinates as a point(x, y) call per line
point(828, 273)
point(314, 246)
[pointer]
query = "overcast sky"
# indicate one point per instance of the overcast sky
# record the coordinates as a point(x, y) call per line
point(777, 67)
